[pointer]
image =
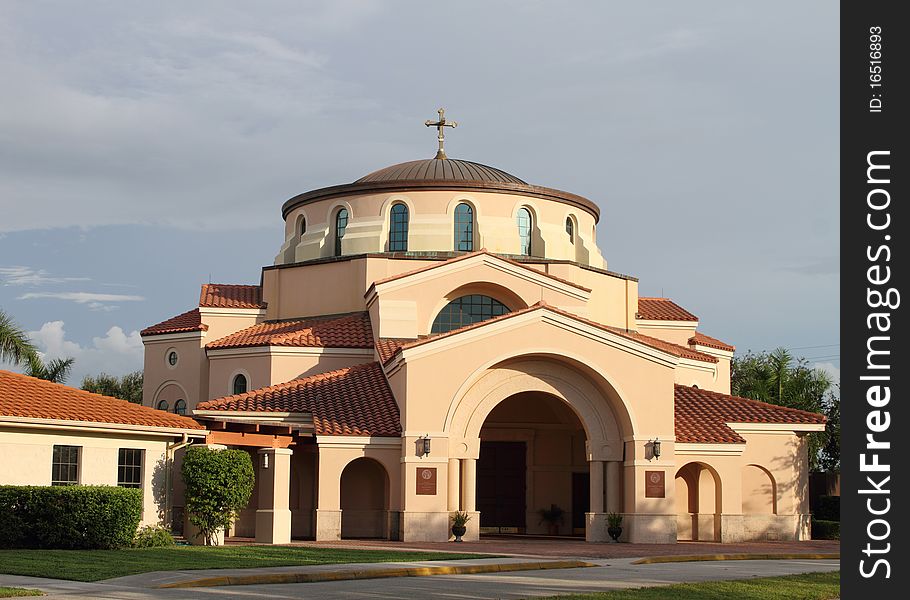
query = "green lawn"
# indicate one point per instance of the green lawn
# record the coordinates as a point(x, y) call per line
point(94, 565)
point(6, 592)
point(810, 586)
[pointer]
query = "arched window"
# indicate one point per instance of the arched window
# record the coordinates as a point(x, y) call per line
point(180, 407)
point(466, 310)
point(162, 405)
point(239, 384)
point(302, 226)
point(464, 228)
point(524, 231)
point(398, 228)
point(570, 229)
point(341, 223)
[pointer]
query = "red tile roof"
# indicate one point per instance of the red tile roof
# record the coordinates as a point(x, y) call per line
point(351, 330)
point(182, 323)
point(351, 401)
point(223, 295)
point(472, 255)
point(706, 340)
point(662, 309)
point(389, 347)
point(27, 397)
point(702, 416)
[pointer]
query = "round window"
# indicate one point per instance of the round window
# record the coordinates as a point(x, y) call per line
point(172, 357)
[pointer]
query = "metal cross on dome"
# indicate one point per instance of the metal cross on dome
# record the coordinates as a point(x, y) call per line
point(440, 125)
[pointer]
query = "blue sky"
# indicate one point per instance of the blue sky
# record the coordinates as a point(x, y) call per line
point(146, 148)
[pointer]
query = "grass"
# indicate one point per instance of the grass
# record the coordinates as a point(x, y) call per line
point(809, 586)
point(7, 592)
point(95, 565)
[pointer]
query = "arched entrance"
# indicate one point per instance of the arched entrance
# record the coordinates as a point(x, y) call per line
point(698, 502)
point(364, 499)
point(532, 473)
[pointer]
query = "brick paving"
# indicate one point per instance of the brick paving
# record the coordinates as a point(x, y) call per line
point(577, 548)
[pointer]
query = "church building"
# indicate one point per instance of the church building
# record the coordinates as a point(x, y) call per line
point(439, 336)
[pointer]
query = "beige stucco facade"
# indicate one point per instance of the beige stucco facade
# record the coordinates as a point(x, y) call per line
point(569, 388)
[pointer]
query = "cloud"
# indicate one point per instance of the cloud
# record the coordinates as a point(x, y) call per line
point(115, 353)
point(829, 368)
point(20, 275)
point(94, 301)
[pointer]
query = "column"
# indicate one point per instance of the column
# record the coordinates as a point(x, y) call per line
point(273, 517)
point(454, 475)
point(468, 500)
point(614, 495)
point(597, 486)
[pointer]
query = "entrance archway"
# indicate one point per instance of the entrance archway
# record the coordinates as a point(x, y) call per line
point(698, 502)
point(532, 473)
point(364, 499)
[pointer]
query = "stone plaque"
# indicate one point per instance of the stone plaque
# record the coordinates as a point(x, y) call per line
point(654, 484)
point(426, 481)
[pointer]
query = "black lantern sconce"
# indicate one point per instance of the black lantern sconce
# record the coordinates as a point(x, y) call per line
point(655, 448)
point(424, 447)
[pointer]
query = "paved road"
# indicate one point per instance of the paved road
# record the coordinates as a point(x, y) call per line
point(610, 574)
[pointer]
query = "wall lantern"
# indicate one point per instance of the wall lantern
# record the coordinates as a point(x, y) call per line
point(425, 445)
point(265, 461)
point(655, 448)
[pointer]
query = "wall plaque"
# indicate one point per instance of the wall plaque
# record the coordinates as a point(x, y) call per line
point(654, 484)
point(426, 481)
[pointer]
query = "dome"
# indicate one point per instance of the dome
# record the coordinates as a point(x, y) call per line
point(446, 169)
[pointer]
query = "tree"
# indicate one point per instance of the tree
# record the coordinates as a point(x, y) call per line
point(15, 347)
point(56, 370)
point(218, 485)
point(777, 378)
point(128, 387)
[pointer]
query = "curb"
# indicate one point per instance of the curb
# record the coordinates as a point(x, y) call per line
point(320, 576)
point(703, 557)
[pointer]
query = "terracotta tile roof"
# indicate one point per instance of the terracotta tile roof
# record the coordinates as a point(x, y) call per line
point(27, 397)
point(706, 340)
point(387, 347)
point(223, 295)
point(351, 401)
point(662, 309)
point(392, 346)
point(182, 323)
point(472, 255)
point(702, 416)
point(350, 330)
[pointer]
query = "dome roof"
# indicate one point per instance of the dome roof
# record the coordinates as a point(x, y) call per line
point(446, 169)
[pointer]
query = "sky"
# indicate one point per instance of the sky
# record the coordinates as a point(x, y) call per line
point(147, 147)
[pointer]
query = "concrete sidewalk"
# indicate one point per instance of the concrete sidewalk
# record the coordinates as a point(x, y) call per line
point(606, 575)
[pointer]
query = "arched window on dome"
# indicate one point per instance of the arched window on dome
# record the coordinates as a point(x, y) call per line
point(302, 231)
point(524, 231)
point(239, 384)
point(398, 228)
point(464, 228)
point(467, 310)
point(570, 229)
point(341, 223)
point(180, 407)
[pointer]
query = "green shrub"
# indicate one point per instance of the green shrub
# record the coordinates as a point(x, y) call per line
point(828, 508)
point(825, 530)
point(153, 536)
point(218, 485)
point(68, 517)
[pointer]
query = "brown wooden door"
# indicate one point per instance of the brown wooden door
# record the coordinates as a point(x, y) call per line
point(501, 484)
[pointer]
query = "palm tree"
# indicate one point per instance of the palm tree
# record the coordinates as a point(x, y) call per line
point(56, 370)
point(15, 347)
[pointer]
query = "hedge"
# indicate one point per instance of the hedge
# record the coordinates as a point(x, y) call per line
point(825, 530)
point(68, 517)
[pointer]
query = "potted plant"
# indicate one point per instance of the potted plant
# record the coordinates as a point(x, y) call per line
point(552, 517)
point(614, 525)
point(459, 520)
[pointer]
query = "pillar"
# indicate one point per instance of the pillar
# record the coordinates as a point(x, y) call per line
point(597, 486)
point(469, 498)
point(614, 496)
point(273, 517)
point(453, 491)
